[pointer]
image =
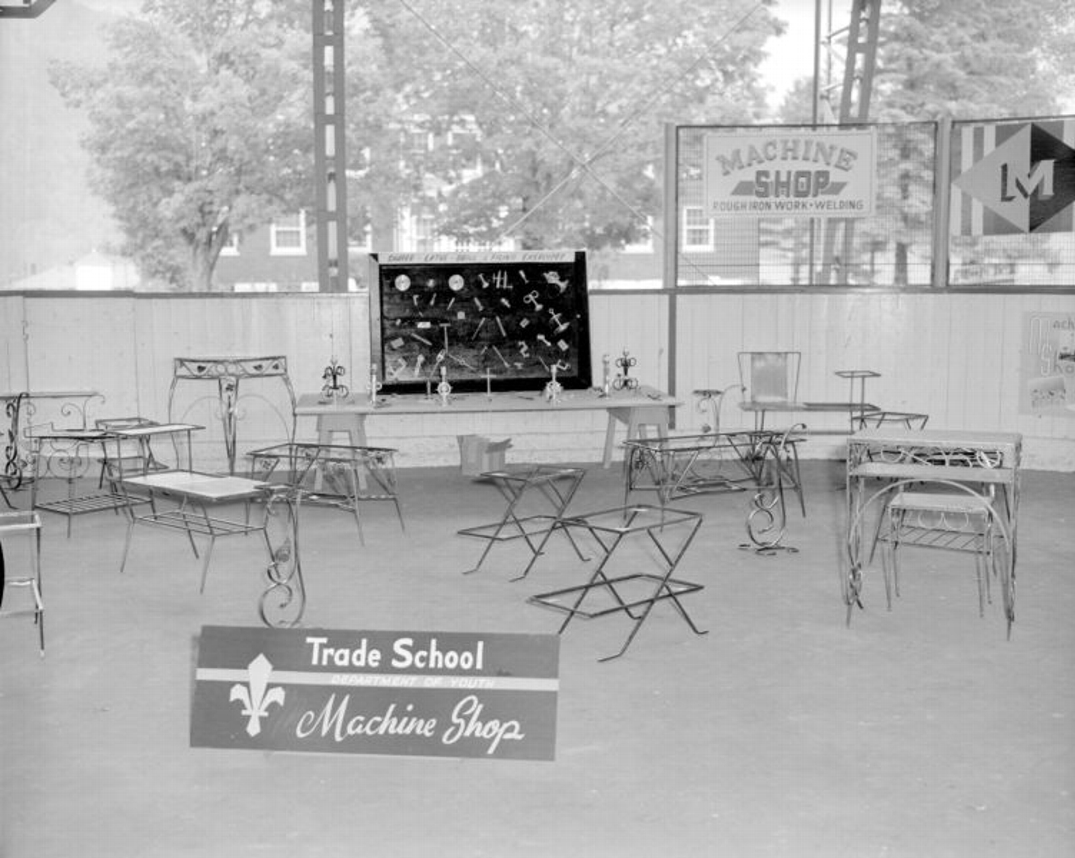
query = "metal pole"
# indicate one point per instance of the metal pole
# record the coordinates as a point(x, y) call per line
point(330, 161)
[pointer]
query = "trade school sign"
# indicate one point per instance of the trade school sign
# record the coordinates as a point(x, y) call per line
point(790, 172)
point(490, 696)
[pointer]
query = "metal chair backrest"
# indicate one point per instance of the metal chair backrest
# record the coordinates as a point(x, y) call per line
point(770, 377)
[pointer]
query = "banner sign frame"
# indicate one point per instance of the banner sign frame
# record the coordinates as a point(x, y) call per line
point(436, 694)
point(1013, 177)
point(799, 173)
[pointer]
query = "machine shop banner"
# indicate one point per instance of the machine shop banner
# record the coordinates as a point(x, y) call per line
point(775, 172)
point(1048, 365)
point(1013, 177)
point(440, 694)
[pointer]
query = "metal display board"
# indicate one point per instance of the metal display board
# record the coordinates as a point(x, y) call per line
point(482, 321)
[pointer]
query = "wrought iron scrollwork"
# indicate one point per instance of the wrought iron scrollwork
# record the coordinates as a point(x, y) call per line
point(283, 602)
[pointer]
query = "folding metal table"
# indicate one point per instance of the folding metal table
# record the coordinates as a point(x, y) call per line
point(553, 484)
point(671, 531)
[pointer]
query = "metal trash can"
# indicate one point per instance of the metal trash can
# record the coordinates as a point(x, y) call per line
point(478, 454)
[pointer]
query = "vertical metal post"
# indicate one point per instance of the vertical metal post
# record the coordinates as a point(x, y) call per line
point(330, 161)
point(942, 201)
point(670, 259)
point(859, 65)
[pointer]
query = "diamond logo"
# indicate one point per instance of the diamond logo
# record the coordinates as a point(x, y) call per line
point(1027, 180)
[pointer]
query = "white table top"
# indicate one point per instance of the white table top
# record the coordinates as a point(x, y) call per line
point(158, 429)
point(465, 403)
point(203, 487)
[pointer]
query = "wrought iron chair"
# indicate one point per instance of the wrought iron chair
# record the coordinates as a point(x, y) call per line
point(953, 521)
point(888, 419)
point(770, 382)
point(28, 523)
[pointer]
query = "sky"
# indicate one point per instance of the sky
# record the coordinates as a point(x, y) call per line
point(792, 56)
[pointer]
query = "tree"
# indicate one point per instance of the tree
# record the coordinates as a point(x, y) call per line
point(964, 59)
point(199, 127)
point(548, 113)
point(971, 59)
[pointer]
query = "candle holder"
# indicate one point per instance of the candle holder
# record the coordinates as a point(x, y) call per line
point(374, 385)
point(623, 380)
point(553, 389)
point(444, 389)
point(333, 389)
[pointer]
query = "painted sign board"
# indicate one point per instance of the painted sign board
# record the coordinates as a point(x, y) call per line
point(487, 321)
point(790, 172)
point(1013, 178)
point(437, 694)
point(1048, 365)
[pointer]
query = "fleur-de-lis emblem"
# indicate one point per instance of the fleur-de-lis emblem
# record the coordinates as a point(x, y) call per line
point(256, 695)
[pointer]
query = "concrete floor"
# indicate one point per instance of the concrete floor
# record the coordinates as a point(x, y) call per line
point(916, 732)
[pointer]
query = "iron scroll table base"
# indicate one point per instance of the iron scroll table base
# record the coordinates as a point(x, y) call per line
point(671, 531)
point(763, 462)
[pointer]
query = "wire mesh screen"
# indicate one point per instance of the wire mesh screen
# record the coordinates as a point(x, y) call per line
point(1012, 220)
point(891, 247)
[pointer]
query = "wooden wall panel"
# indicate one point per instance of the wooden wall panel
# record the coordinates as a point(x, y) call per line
point(953, 356)
point(636, 323)
point(12, 343)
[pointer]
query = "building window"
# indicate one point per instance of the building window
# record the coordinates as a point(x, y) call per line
point(426, 233)
point(231, 246)
point(287, 235)
point(697, 229)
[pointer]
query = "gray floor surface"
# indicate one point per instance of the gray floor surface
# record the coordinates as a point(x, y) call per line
point(782, 732)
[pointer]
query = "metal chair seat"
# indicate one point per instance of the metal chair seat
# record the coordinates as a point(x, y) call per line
point(953, 521)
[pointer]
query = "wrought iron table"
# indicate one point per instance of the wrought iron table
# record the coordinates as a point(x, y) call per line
point(764, 462)
point(195, 493)
point(228, 372)
point(21, 406)
point(982, 463)
point(554, 484)
point(67, 454)
point(671, 531)
point(345, 475)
